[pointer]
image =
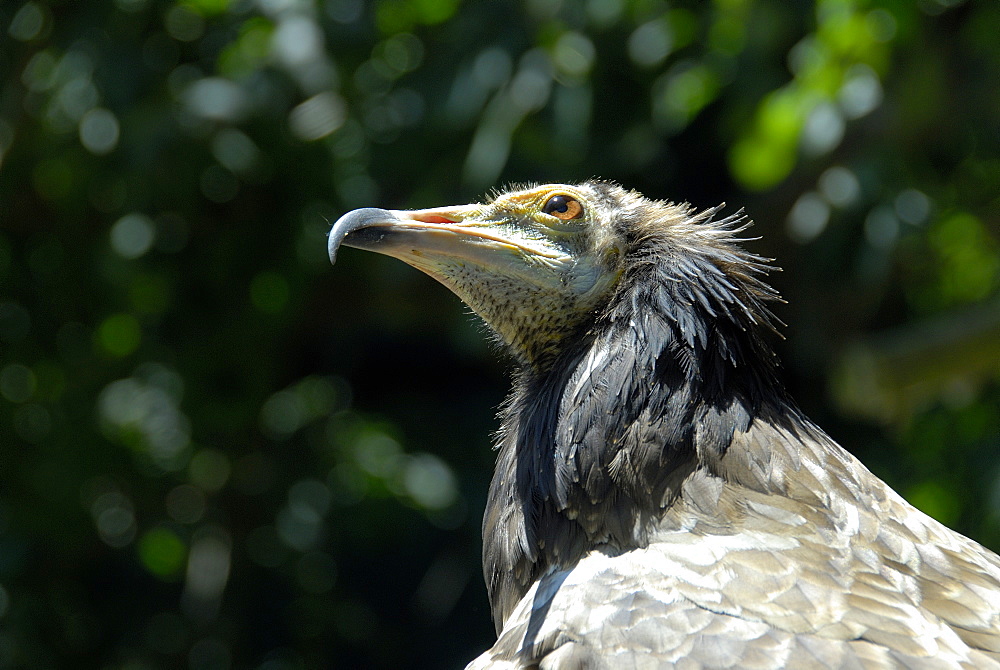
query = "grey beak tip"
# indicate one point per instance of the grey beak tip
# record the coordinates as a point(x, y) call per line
point(355, 220)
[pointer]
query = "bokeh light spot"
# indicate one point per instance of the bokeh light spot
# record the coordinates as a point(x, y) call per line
point(183, 23)
point(99, 131)
point(808, 217)
point(881, 24)
point(29, 22)
point(682, 92)
point(235, 151)
point(823, 130)
point(839, 186)
point(297, 40)
point(141, 412)
point(377, 453)
point(208, 7)
point(913, 206)
point(574, 54)
point(650, 43)
point(209, 469)
point(114, 518)
point(760, 164)
point(119, 335)
point(37, 75)
point(434, 11)
point(162, 552)
point(209, 562)
point(282, 414)
point(215, 98)
point(861, 93)
point(299, 526)
point(881, 227)
point(968, 258)
point(133, 235)
point(317, 117)
point(430, 482)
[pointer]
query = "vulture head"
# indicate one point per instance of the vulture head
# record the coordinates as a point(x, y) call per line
point(540, 265)
point(533, 264)
point(658, 497)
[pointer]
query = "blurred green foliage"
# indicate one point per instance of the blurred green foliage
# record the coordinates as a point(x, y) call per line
point(218, 452)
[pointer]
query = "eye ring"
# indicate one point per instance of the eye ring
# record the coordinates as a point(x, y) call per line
point(563, 207)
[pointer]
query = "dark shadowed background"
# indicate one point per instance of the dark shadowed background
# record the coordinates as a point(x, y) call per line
point(217, 451)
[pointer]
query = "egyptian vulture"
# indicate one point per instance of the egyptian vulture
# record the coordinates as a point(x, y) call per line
point(659, 500)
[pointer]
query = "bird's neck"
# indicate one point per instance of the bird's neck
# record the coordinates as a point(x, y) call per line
point(596, 446)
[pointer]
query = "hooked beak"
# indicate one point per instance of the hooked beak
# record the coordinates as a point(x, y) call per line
point(416, 236)
point(383, 230)
point(352, 222)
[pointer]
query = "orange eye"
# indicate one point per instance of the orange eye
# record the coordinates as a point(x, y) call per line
point(563, 207)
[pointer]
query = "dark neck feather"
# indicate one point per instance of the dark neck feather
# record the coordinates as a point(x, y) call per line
point(595, 447)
